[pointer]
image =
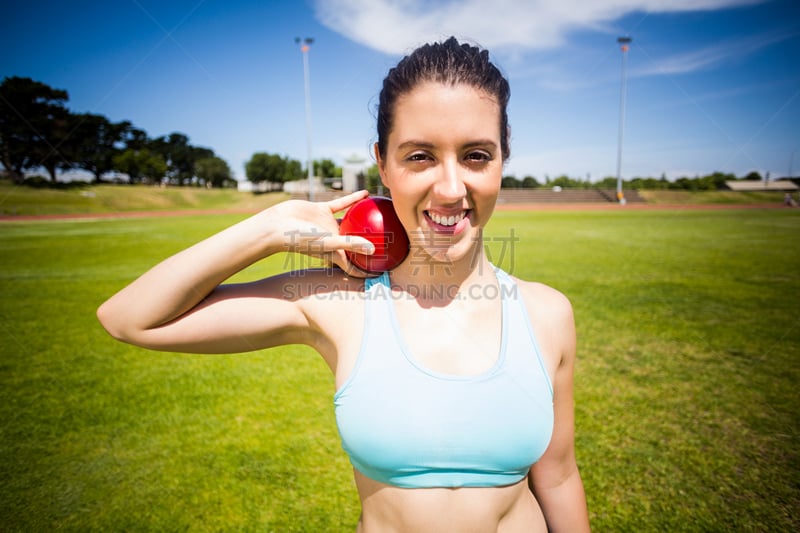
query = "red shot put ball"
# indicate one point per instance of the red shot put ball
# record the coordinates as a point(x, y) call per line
point(374, 219)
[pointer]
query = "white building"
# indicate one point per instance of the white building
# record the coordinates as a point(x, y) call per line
point(353, 166)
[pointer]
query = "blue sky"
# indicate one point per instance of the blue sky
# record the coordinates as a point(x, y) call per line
point(711, 84)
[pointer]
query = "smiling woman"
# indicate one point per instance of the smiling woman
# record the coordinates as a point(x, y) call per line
point(430, 179)
point(454, 407)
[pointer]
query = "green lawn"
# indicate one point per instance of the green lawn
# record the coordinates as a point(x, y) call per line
point(713, 197)
point(686, 385)
point(76, 199)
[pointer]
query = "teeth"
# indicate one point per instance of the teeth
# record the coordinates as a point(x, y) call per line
point(452, 220)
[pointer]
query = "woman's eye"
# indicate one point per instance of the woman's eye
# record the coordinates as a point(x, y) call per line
point(418, 157)
point(479, 156)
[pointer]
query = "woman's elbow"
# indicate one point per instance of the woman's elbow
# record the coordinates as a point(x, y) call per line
point(113, 322)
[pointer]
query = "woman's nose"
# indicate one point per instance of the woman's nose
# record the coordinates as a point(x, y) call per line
point(449, 184)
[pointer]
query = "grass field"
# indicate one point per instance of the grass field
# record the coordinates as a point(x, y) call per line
point(686, 385)
point(17, 200)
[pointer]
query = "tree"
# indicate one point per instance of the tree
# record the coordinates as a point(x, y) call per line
point(529, 182)
point(294, 170)
point(32, 126)
point(135, 139)
point(213, 171)
point(715, 181)
point(567, 183)
point(372, 179)
point(272, 168)
point(95, 141)
point(510, 182)
point(140, 165)
point(687, 184)
point(648, 184)
point(54, 149)
point(179, 155)
point(325, 168)
point(264, 167)
point(753, 176)
point(607, 183)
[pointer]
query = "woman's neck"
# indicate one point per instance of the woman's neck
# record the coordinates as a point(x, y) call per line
point(439, 282)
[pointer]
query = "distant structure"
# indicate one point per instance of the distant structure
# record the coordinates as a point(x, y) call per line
point(353, 166)
point(307, 187)
point(760, 185)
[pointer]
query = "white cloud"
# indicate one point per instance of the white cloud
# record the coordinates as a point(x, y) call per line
point(708, 57)
point(397, 26)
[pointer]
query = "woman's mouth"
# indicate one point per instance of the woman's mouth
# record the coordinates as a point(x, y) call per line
point(447, 221)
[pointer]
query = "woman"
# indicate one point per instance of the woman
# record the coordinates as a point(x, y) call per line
point(454, 385)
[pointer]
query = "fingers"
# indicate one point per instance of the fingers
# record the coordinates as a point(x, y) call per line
point(332, 249)
point(350, 243)
point(339, 204)
point(340, 260)
point(315, 231)
point(322, 244)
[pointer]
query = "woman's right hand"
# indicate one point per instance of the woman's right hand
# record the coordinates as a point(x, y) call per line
point(312, 229)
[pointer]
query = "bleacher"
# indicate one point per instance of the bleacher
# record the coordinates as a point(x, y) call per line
point(564, 196)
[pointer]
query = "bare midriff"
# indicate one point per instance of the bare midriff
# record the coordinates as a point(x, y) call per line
point(388, 509)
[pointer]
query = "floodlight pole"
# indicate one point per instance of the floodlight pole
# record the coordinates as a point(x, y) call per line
point(305, 46)
point(624, 45)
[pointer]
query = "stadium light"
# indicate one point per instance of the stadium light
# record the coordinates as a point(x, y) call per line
point(305, 46)
point(624, 45)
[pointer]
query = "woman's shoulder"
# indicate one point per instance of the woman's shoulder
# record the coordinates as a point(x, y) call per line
point(552, 320)
point(543, 301)
point(536, 292)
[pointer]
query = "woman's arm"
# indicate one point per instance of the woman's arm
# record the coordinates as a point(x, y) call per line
point(180, 305)
point(555, 479)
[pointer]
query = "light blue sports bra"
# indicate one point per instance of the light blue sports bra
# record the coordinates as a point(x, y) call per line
point(408, 426)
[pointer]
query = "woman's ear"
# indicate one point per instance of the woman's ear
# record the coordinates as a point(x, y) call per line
point(381, 165)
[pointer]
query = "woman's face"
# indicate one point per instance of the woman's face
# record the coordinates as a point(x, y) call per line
point(444, 166)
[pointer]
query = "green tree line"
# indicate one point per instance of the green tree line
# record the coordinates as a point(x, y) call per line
point(38, 131)
point(711, 182)
point(276, 169)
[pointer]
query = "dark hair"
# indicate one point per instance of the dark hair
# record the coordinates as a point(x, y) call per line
point(448, 62)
